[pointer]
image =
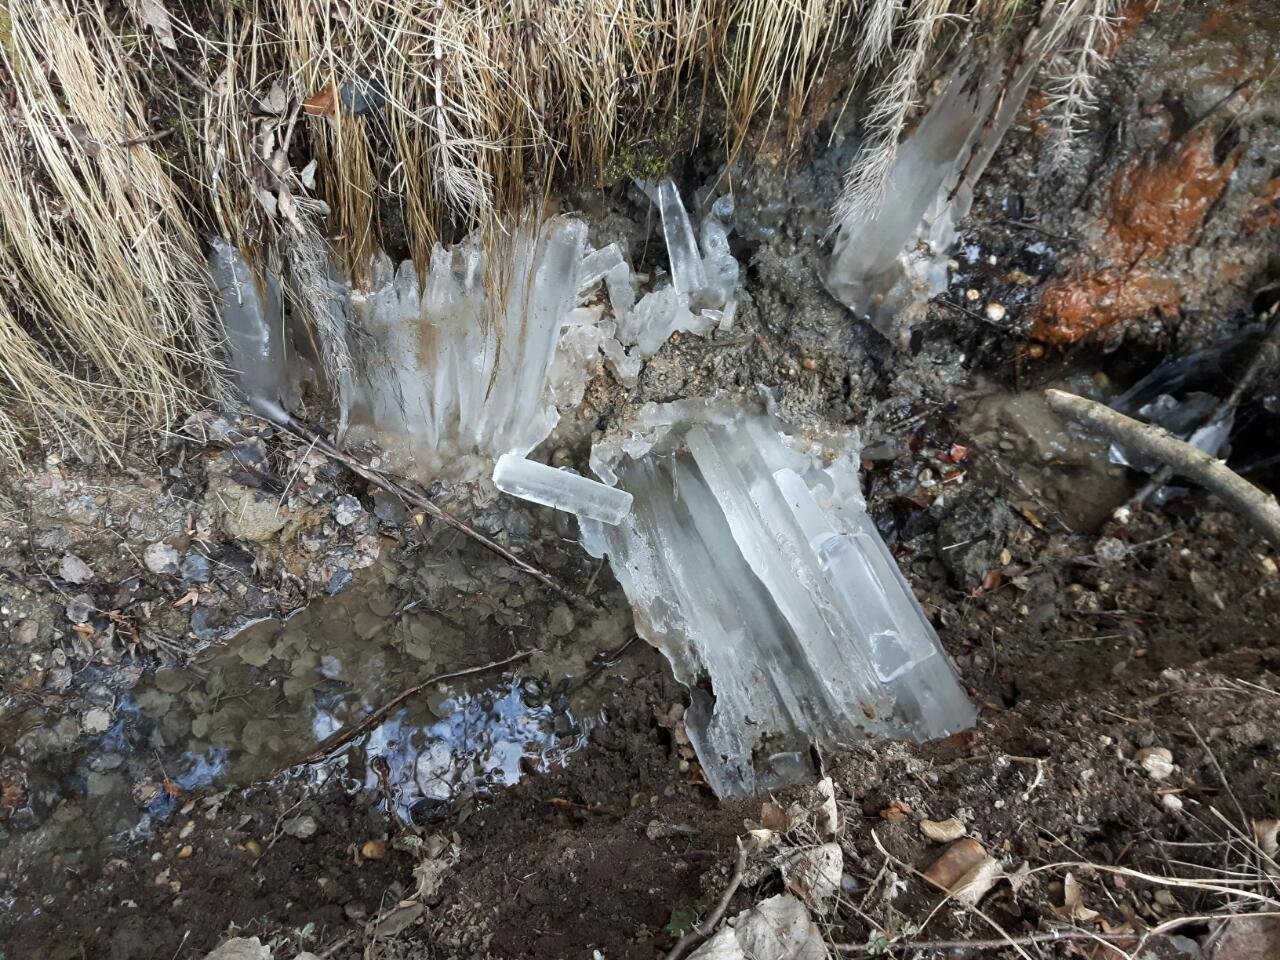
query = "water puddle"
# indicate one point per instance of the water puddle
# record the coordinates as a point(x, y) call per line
point(252, 708)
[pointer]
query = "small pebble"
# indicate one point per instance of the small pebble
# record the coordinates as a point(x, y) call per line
point(374, 849)
point(160, 558)
point(995, 311)
point(346, 509)
point(972, 295)
point(253, 848)
point(1171, 802)
point(301, 828)
point(80, 608)
point(96, 720)
point(74, 570)
point(186, 852)
point(195, 568)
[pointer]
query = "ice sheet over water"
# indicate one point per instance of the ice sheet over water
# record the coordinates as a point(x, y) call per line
point(751, 562)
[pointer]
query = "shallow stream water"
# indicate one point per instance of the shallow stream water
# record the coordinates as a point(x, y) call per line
point(249, 710)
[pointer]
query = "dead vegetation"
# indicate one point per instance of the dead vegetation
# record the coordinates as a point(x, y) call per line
point(299, 127)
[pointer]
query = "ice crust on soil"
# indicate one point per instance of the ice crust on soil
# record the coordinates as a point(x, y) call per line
point(751, 563)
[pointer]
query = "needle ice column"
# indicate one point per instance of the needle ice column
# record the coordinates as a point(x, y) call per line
point(889, 261)
point(560, 489)
point(752, 564)
point(462, 369)
point(252, 315)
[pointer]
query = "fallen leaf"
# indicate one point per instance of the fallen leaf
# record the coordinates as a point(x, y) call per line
point(975, 884)
point(1073, 907)
point(396, 920)
point(959, 859)
point(155, 15)
point(773, 817)
point(322, 104)
point(895, 812)
point(308, 175)
point(275, 101)
point(778, 928)
point(1267, 834)
point(942, 831)
point(192, 597)
point(814, 873)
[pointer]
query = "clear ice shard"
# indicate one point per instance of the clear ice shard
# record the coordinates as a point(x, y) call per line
point(701, 294)
point(449, 370)
point(252, 314)
point(889, 261)
point(561, 489)
point(750, 561)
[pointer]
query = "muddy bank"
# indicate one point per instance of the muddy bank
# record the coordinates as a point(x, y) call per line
point(149, 800)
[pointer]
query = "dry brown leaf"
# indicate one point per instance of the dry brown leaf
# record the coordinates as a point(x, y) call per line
point(1073, 907)
point(942, 831)
point(774, 817)
point(975, 884)
point(958, 860)
point(322, 104)
point(895, 812)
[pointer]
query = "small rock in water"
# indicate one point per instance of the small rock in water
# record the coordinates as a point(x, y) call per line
point(74, 570)
point(339, 581)
point(301, 828)
point(346, 510)
point(161, 558)
point(96, 720)
point(195, 568)
point(80, 608)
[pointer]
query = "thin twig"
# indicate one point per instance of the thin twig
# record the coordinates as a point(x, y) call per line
point(379, 479)
point(1148, 440)
point(341, 738)
point(700, 932)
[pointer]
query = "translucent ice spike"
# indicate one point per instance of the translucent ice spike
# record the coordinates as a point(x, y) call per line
point(560, 489)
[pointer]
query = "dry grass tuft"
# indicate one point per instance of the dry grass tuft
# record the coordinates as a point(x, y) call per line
point(105, 313)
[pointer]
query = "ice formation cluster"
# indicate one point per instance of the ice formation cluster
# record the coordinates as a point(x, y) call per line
point(751, 562)
point(454, 369)
point(743, 546)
